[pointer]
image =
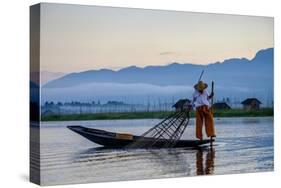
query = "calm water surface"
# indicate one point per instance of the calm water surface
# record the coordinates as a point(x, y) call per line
point(243, 145)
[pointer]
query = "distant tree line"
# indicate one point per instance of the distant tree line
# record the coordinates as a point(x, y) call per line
point(76, 107)
point(77, 103)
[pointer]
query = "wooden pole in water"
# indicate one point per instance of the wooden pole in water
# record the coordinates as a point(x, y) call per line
point(212, 109)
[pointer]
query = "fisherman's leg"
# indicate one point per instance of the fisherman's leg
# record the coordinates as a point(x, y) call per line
point(199, 123)
point(209, 123)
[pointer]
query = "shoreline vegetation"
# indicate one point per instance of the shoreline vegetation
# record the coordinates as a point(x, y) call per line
point(154, 115)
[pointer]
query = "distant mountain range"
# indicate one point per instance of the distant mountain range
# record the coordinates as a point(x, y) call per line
point(47, 76)
point(233, 72)
point(232, 76)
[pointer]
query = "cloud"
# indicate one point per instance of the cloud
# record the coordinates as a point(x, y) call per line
point(167, 53)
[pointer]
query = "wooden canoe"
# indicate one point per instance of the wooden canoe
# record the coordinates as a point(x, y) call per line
point(120, 140)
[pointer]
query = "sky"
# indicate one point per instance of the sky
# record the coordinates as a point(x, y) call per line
point(77, 38)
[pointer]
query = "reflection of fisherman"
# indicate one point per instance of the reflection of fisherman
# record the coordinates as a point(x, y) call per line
point(209, 162)
point(203, 113)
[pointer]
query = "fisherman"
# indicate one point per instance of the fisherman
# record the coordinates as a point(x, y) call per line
point(203, 112)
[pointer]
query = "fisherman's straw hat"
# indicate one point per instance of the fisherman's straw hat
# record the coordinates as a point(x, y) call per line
point(200, 86)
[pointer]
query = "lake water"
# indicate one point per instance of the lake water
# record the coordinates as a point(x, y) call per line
point(243, 145)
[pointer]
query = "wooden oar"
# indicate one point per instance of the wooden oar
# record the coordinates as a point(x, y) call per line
point(200, 77)
point(212, 100)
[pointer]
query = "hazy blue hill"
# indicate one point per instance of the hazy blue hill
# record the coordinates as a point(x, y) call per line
point(264, 55)
point(237, 78)
point(233, 72)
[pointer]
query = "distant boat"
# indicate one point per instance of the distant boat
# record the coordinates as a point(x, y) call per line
point(120, 140)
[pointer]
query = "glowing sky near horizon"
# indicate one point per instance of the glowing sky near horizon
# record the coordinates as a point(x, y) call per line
point(77, 38)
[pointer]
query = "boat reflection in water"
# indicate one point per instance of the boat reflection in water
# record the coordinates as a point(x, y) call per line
point(149, 163)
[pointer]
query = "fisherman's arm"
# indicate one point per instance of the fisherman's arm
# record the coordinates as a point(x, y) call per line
point(191, 106)
point(211, 95)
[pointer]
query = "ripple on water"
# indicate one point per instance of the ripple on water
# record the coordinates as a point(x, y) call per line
point(243, 145)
